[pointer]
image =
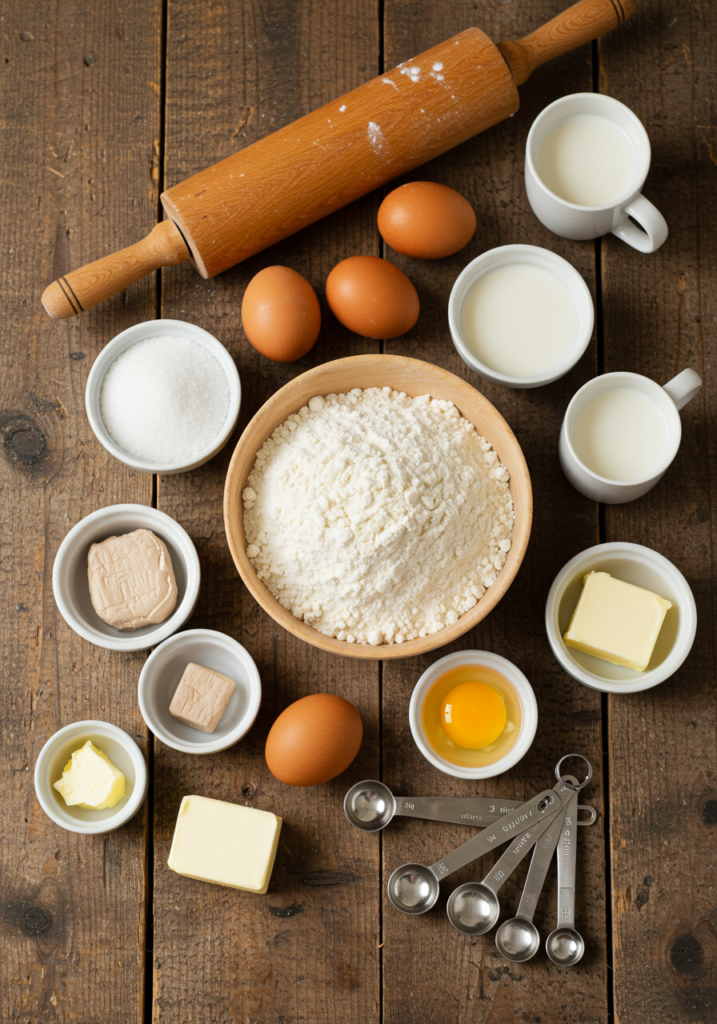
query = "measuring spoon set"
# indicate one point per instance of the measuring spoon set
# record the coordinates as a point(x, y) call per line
point(543, 824)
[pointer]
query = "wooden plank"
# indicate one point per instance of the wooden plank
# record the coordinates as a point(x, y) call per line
point(80, 116)
point(426, 963)
point(308, 949)
point(660, 313)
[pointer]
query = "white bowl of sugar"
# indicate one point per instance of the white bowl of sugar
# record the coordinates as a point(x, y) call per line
point(163, 396)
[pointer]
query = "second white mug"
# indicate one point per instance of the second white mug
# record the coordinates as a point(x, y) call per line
point(620, 433)
point(586, 160)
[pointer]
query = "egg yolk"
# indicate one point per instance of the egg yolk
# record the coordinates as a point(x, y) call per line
point(473, 715)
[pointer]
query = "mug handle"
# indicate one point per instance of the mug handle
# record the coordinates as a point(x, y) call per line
point(654, 225)
point(683, 388)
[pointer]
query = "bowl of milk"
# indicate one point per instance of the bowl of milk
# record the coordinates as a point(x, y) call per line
point(520, 316)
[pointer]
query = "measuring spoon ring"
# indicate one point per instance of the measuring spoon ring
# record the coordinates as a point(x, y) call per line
point(414, 888)
point(517, 939)
point(473, 908)
point(565, 946)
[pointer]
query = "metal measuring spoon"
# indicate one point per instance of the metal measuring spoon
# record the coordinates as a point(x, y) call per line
point(565, 946)
point(414, 888)
point(473, 908)
point(370, 806)
point(517, 939)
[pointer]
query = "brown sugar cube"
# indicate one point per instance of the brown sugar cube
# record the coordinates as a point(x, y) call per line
point(201, 698)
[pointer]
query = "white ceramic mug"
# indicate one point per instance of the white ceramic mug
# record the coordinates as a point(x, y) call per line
point(572, 221)
point(669, 399)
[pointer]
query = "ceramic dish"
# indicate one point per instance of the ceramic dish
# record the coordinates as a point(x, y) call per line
point(160, 677)
point(153, 329)
point(414, 378)
point(528, 705)
point(124, 754)
point(71, 588)
point(545, 260)
point(642, 567)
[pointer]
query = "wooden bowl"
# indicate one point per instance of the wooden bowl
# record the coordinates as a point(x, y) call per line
point(415, 378)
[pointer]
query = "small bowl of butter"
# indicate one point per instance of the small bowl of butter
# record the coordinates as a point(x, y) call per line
point(126, 577)
point(520, 316)
point(90, 777)
point(620, 617)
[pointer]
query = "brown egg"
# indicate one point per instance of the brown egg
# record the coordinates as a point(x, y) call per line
point(314, 740)
point(426, 220)
point(281, 314)
point(372, 297)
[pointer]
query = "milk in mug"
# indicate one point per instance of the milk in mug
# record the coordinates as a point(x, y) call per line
point(587, 159)
point(620, 434)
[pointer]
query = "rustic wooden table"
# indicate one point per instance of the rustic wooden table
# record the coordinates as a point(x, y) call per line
point(102, 105)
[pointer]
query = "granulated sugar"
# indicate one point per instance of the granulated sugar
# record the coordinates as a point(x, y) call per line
point(165, 400)
point(376, 517)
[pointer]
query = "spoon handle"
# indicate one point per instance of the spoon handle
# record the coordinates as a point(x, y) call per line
point(567, 864)
point(539, 864)
point(459, 810)
point(509, 861)
point(513, 824)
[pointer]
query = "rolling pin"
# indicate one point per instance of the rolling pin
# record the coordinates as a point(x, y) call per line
point(336, 154)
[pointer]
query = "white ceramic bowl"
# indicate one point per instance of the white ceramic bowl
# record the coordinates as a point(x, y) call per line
point(163, 670)
point(528, 705)
point(124, 754)
point(153, 329)
point(643, 567)
point(71, 588)
point(535, 256)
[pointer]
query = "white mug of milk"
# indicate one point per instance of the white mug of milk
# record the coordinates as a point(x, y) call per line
point(586, 160)
point(620, 433)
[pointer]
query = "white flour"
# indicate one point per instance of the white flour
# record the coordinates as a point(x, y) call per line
point(376, 517)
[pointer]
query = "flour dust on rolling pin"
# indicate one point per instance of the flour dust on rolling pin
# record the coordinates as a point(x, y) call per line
point(336, 154)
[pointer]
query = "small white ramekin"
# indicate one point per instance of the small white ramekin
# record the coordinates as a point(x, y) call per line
point(528, 707)
point(163, 670)
point(124, 754)
point(141, 332)
point(70, 583)
point(643, 567)
point(534, 255)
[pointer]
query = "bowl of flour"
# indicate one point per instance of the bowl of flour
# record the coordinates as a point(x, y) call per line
point(378, 506)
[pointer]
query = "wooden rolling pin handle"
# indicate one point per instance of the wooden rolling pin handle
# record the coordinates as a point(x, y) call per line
point(580, 24)
point(87, 287)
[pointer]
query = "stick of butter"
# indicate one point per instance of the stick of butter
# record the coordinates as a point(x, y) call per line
point(616, 621)
point(90, 780)
point(224, 843)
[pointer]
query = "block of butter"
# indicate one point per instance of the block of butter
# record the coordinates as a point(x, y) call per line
point(90, 780)
point(201, 698)
point(132, 580)
point(616, 621)
point(225, 843)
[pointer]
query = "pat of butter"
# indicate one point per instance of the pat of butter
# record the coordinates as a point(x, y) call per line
point(132, 580)
point(224, 843)
point(90, 780)
point(616, 621)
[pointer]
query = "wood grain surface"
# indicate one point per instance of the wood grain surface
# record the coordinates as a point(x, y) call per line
point(102, 107)
point(659, 316)
point(80, 120)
